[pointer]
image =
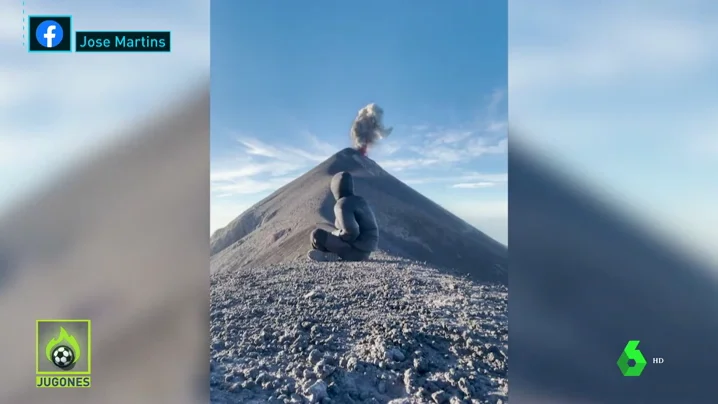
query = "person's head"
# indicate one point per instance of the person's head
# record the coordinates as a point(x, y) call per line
point(368, 127)
point(342, 185)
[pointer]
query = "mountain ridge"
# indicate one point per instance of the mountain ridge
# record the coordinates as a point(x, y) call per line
point(276, 229)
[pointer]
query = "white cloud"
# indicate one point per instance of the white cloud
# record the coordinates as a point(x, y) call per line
point(495, 208)
point(493, 177)
point(497, 126)
point(467, 177)
point(386, 148)
point(481, 146)
point(318, 153)
point(256, 168)
point(489, 216)
point(448, 137)
point(259, 167)
point(436, 145)
point(498, 96)
point(256, 148)
point(602, 42)
point(251, 169)
point(221, 213)
point(474, 185)
point(321, 147)
point(447, 148)
point(442, 154)
point(496, 116)
point(404, 164)
point(314, 156)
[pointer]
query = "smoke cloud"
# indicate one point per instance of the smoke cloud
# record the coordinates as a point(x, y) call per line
point(368, 127)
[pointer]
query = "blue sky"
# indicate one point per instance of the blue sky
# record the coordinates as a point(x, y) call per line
point(287, 81)
point(56, 108)
point(622, 96)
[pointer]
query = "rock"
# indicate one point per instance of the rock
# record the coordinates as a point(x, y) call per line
point(218, 345)
point(352, 364)
point(314, 295)
point(465, 387)
point(323, 370)
point(409, 382)
point(394, 354)
point(263, 378)
point(420, 392)
point(314, 356)
point(317, 392)
point(440, 397)
point(309, 374)
point(421, 365)
point(380, 334)
point(333, 389)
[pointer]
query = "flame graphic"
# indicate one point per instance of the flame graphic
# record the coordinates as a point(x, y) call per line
point(66, 337)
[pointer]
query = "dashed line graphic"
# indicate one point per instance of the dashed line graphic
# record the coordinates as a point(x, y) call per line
point(23, 23)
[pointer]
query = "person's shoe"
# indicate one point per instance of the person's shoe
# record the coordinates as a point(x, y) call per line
point(321, 256)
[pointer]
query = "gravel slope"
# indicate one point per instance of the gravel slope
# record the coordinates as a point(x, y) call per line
point(385, 331)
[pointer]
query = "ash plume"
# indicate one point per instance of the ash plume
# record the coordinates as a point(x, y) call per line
point(368, 128)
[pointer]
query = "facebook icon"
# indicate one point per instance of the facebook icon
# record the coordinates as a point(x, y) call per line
point(49, 33)
point(52, 33)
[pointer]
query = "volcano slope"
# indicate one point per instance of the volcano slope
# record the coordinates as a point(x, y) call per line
point(424, 320)
point(276, 230)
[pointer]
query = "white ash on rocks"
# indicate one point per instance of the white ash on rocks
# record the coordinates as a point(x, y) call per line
point(389, 334)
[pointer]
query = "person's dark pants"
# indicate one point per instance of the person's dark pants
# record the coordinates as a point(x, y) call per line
point(323, 240)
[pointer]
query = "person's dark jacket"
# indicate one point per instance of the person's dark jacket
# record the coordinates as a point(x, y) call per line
point(355, 221)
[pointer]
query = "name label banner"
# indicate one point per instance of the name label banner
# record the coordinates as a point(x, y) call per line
point(122, 41)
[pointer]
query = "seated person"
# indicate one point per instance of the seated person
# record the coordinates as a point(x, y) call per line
point(356, 234)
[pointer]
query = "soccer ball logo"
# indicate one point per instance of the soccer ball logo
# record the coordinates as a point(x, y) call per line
point(63, 356)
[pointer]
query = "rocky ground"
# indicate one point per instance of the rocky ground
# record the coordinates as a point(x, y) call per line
point(384, 331)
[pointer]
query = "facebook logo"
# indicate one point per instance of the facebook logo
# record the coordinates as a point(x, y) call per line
point(51, 33)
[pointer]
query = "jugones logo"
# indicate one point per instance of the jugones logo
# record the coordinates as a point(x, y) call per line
point(63, 354)
point(49, 33)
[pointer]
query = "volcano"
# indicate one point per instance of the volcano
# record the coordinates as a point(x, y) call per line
point(425, 319)
point(276, 229)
